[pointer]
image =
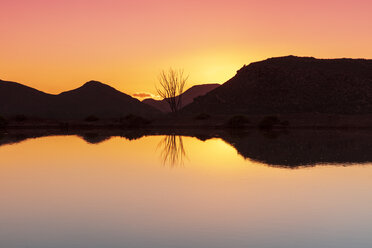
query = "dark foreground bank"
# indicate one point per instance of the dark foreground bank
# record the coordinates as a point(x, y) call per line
point(200, 121)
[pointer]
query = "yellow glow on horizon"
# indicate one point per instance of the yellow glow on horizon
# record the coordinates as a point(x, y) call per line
point(55, 46)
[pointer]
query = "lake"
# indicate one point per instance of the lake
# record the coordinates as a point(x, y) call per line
point(186, 189)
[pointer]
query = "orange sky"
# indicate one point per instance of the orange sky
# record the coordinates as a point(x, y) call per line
point(59, 45)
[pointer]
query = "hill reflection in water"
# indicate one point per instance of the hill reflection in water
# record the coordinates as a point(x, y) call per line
point(287, 149)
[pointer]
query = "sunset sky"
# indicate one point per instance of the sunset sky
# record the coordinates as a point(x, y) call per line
point(59, 45)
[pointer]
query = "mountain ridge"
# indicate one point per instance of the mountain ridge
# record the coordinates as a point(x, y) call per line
point(92, 98)
point(290, 85)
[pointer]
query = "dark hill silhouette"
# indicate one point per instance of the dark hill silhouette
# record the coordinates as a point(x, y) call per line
point(288, 85)
point(93, 98)
point(187, 97)
point(17, 99)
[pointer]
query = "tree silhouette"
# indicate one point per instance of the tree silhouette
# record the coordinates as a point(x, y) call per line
point(172, 83)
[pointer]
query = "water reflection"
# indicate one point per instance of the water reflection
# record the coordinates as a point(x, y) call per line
point(304, 148)
point(289, 149)
point(172, 150)
point(62, 192)
point(95, 138)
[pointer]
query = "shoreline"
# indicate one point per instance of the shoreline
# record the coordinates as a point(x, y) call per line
point(236, 122)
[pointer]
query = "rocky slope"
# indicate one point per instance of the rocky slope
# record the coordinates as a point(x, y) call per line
point(291, 85)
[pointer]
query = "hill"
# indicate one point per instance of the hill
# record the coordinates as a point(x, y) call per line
point(18, 99)
point(187, 97)
point(93, 98)
point(292, 85)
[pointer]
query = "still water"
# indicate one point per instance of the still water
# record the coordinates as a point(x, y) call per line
point(160, 191)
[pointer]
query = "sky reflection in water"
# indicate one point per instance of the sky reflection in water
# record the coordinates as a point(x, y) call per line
point(61, 191)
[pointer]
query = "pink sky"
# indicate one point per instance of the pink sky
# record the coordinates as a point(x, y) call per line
point(59, 45)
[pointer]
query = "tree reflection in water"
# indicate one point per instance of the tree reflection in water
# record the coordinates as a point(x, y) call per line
point(172, 150)
point(278, 148)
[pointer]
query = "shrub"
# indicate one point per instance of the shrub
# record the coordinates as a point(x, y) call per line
point(285, 123)
point(3, 122)
point(134, 121)
point(20, 118)
point(91, 118)
point(202, 116)
point(268, 122)
point(237, 121)
point(63, 125)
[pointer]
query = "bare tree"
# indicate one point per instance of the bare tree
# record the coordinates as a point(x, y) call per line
point(172, 83)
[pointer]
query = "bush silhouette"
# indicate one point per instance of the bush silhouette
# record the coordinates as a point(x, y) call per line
point(202, 116)
point(91, 118)
point(3, 122)
point(134, 121)
point(269, 122)
point(64, 125)
point(237, 121)
point(20, 118)
point(285, 123)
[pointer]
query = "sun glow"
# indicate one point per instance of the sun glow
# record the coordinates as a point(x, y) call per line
point(56, 46)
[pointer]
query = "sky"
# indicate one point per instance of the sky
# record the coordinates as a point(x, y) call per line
point(56, 46)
